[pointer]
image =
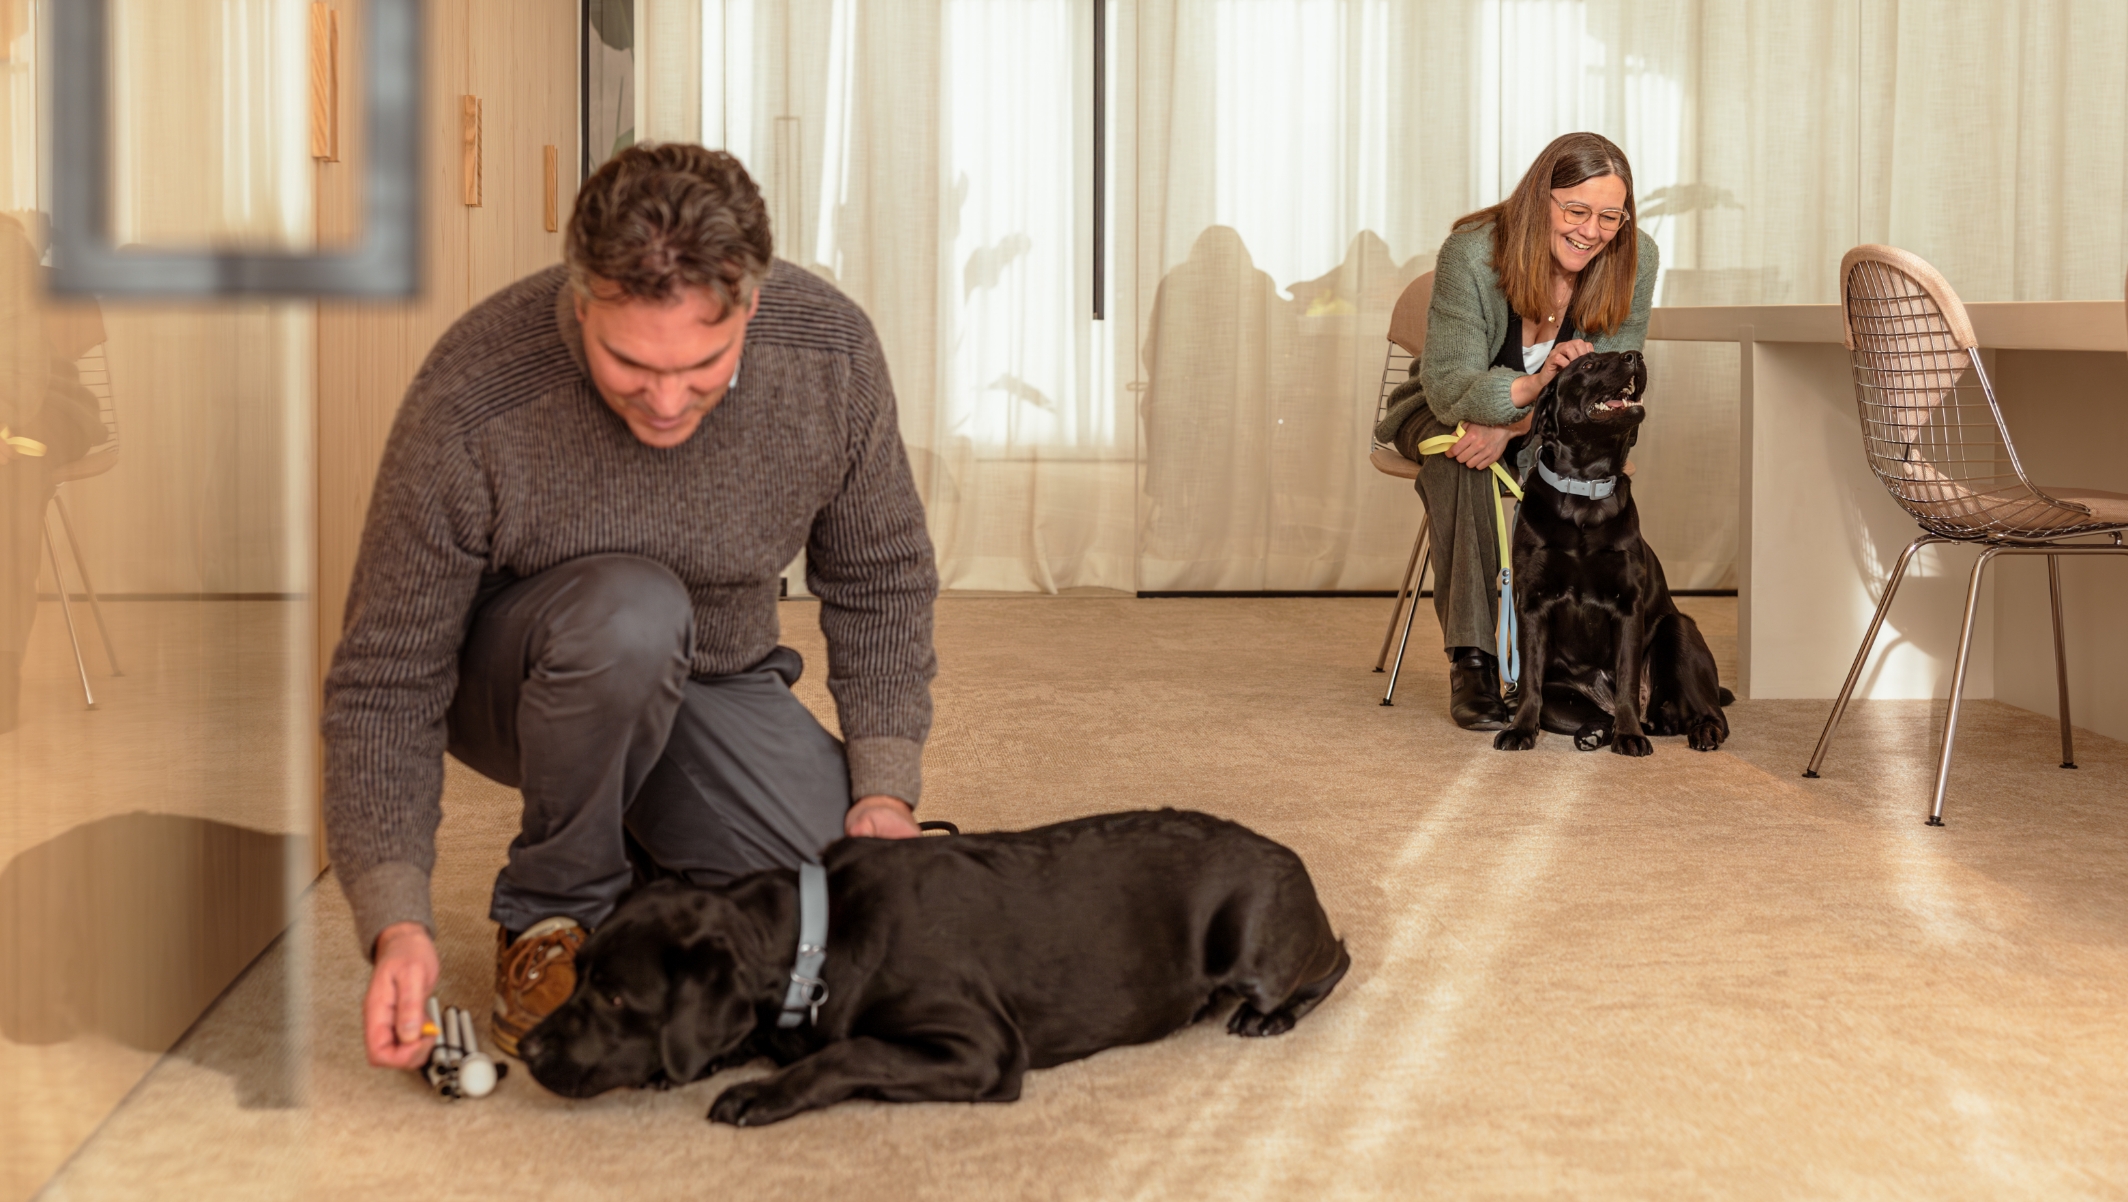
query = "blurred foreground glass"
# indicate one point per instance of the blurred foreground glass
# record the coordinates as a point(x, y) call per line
point(156, 558)
point(279, 68)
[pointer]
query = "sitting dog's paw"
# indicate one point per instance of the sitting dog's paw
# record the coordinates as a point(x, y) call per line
point(749, 1104)
point(1632, 745)
point(1706, 735)
point(1514, 740)
point(1248, 1020)
point(1591, 737)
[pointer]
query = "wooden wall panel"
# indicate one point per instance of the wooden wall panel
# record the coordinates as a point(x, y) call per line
point(522, 65)
point(367, 354)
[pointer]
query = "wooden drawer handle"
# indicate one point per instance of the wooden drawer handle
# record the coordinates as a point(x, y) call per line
point(469, 146)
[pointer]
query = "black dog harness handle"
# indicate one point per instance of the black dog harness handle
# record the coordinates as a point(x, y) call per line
point(808, 990)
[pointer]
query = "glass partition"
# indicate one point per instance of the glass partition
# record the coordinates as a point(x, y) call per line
point(156, 721)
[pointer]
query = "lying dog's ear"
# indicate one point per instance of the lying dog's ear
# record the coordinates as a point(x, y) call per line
point(709, 1007)
point(687, 1044)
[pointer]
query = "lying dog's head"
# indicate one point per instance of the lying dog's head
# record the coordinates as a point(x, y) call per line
point(1595, 403)
point(664, 989)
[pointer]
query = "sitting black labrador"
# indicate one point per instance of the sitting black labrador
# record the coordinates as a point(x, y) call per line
point(1606, 656)
point(953, 966)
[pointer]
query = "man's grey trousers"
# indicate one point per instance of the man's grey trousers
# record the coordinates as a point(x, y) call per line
point(573, 687)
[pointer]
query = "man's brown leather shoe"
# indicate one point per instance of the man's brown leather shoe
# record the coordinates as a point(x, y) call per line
point(533, 974)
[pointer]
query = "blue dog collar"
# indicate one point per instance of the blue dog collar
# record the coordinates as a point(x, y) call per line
point(1595, 490)
point(808, 990)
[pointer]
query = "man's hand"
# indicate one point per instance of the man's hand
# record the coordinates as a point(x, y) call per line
point(399, 989)
point(880, 817)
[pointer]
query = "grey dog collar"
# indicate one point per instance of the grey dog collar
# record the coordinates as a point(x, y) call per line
point(1595, 490)
point(808, 991)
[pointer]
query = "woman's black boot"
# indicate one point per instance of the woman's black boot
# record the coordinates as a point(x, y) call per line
point(1474, 690)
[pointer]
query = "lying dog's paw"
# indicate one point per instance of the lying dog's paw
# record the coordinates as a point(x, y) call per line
point(1632, 745)
point(750, 1104)
point(1250, 1021)
point(1591, 737)
point(1705, 735)
point(1514, 740)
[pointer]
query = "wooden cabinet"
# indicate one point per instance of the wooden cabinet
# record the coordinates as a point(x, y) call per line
point(521, 64)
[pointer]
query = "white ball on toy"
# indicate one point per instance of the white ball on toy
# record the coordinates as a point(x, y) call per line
point(476, 1076)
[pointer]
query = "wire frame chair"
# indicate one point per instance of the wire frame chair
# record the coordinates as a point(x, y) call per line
point(1934, 435)
point(1407, 341)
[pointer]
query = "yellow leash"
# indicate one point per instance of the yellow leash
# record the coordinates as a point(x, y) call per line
point(1506, 646)
point(23, 446)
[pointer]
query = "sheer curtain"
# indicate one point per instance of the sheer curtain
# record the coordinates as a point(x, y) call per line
point(1280, 169)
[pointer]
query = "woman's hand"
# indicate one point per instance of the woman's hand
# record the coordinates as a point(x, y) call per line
point(1563, 354)
point(1526, 389)
point(1480, 446)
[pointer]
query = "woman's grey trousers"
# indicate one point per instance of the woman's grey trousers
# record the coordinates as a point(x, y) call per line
point(1466, 549)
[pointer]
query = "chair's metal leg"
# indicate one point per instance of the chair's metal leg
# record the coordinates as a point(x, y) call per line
point(1410, 585)
point(51, 552)
point(1411, 614)
point(81, 568)
point(1389, 698)
point(1965, 649)
point(2061, 662)
point(1854, 673)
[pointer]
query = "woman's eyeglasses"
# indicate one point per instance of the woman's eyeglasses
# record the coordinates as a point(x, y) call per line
point(1607, 220)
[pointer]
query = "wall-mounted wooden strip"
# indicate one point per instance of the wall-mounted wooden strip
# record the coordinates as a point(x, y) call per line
point(324, 83)
point(469, 143)
point(553, 180)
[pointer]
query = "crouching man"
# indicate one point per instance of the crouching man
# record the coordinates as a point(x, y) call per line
point(568, 580)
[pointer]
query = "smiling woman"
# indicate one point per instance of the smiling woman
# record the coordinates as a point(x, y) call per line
point(1517, 286)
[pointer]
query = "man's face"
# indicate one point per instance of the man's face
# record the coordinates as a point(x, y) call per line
point(662, 366)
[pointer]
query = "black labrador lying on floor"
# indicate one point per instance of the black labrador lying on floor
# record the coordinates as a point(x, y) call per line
point(1606, 656)
point(953, 965)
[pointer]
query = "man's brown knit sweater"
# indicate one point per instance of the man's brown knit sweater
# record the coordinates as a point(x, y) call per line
point(504, 462)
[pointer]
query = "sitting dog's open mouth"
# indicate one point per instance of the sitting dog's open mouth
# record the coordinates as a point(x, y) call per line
point(1623, 400)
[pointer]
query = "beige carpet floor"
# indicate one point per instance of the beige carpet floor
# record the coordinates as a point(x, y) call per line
point(1575, 975)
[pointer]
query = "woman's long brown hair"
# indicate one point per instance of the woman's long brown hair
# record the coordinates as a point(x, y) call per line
point(1522, 236)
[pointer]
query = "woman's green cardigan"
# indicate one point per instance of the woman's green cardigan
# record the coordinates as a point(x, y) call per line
point(1467, 322)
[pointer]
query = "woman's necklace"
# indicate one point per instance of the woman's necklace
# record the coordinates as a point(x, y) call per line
point(1550, 317)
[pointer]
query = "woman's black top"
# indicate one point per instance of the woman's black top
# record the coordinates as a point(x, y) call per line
point(1510, 355)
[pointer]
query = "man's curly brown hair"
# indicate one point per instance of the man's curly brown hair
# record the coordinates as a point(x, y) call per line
point(662, 217)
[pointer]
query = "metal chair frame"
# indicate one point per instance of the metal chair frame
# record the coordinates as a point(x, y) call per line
point(1913, 350)
point(96, 377)
point(1407, 338)
point(1396, 368)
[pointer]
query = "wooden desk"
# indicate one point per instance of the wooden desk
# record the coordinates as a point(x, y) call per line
point(1817, 533)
